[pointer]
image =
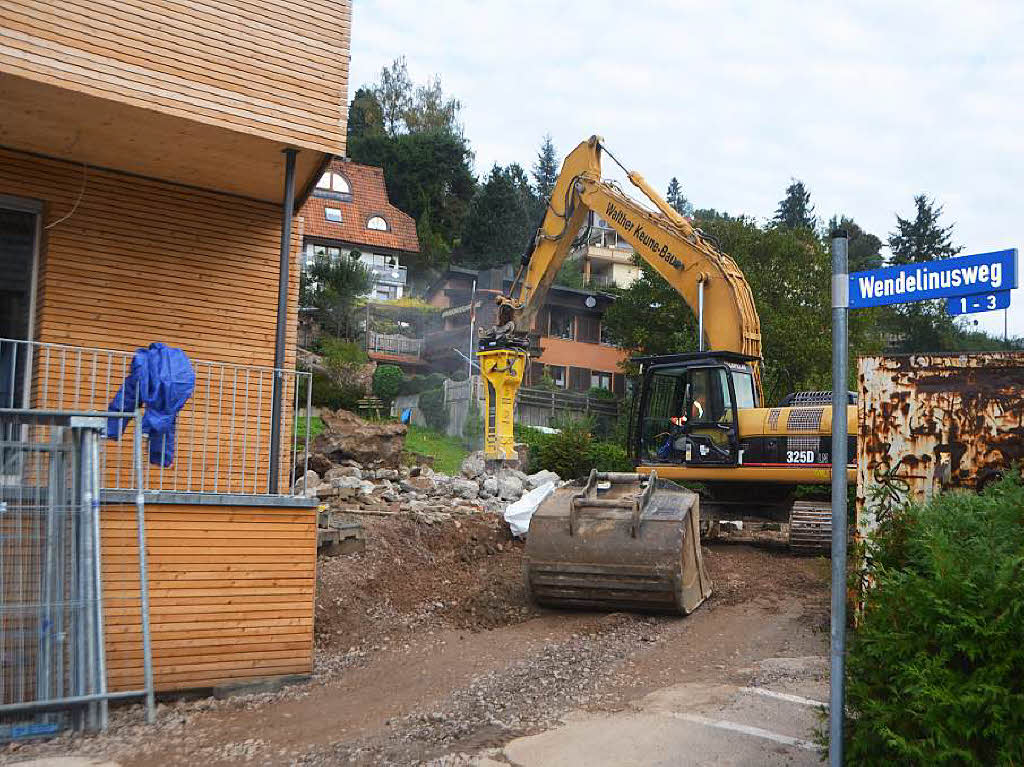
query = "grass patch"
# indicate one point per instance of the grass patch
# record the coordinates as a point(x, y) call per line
point(316, 427)
point(448, 452)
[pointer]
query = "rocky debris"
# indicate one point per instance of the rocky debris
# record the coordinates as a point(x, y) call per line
point(346, 436)
point(541, 477)
point(345, 484)
point(465, 488)
point(474, 465)
point(307, 484)
point(510, 487)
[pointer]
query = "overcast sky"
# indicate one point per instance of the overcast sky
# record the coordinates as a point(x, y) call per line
point(867, 103)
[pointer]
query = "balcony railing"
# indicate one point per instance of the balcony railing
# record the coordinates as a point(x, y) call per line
point(223, 435)
point(394, 344)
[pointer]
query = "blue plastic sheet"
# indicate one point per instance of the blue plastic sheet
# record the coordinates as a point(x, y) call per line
point(161, 381)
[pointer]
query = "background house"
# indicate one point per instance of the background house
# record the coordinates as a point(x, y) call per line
point(574, 350)
point(349, 210)
point(606, 259)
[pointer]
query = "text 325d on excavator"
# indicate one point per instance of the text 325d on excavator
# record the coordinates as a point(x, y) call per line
point(697, 417)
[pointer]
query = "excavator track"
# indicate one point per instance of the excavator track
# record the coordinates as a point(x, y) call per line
point(810, 528)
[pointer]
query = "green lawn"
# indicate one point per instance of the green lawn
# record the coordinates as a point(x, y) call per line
point(316, 426)
point(448, 452)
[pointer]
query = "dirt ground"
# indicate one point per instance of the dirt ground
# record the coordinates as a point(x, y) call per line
point(428, 652)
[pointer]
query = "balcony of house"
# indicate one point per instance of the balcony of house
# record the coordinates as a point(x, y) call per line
point(225, 446)
point(395, 348)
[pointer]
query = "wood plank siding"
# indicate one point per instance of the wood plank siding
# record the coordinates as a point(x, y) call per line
point(263, 67)
point(141, 261)
point(230, 588)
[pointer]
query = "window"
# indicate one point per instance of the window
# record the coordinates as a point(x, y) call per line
point(743, 383)
point(378, 223)
point(333, 214)
point(334, 253)
point(561, 324)
point(600, 380)
point(333, 182)
point(319, 251)
point(557, 373)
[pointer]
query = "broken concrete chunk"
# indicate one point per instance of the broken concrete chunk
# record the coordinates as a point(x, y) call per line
point(510, 487)
point(473, 466)
point(465, 488)
point(541, 477)
point(343, 471)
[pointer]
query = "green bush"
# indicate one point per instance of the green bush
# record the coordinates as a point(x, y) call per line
point(937, 663)
point(339, 353)
point(327, 393)
point(607, 456)
point(536, 439)
point(386, 381)
point(566, 453)
point(433, 409)
point(598, 393)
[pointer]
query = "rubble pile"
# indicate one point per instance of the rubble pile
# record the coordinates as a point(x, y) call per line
point(357, 466)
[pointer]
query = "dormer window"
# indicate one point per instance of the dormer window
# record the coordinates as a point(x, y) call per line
point(378, 223)
point(333, 185)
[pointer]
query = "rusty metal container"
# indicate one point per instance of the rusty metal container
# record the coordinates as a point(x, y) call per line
point(623, 542)
point(934, 422)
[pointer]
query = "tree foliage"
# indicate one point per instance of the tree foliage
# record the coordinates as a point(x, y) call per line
point(414, 134)
point(795, 210)
point(865, 249)
point(387, 381)
point(500, 221)
point(428, 176)
point(923, 238)
point(922, 326)
point(545, 170)
point(365, 117)
point(333, 286)
point(789, 273)
point(677, 200)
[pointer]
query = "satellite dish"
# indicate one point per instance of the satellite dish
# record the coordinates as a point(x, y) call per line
point(590, 302)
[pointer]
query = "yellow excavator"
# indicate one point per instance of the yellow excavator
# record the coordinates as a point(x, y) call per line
point(631, 540)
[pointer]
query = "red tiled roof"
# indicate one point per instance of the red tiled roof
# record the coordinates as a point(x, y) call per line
point(369, 198)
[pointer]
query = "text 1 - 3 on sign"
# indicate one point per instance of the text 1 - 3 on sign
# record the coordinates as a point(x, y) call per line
point(947, 278)
point(984, 302)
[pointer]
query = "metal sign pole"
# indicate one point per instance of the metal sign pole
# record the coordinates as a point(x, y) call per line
point(840, 310)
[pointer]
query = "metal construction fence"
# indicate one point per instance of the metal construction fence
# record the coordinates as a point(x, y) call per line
point(53, 606)
point(222, 437)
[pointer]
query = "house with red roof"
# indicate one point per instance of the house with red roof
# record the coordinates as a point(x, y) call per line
point(349, 210)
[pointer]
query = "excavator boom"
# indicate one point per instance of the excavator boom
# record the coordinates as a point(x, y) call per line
point(690, 262)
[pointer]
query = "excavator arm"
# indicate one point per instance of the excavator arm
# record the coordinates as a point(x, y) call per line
point(690, 262)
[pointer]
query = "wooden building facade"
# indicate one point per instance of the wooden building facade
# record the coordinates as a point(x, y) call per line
point(145, 152)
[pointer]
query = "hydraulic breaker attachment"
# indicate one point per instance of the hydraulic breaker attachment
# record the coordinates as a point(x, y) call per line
point(502, 370)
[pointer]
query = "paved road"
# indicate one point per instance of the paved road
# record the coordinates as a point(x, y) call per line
point(769, 722)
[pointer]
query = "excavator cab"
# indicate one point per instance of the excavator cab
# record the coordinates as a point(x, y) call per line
point(688, 412)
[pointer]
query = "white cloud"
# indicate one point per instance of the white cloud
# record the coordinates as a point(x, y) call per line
point(869, 103)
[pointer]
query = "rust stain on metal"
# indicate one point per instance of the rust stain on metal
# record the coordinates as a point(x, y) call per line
point(934, 422)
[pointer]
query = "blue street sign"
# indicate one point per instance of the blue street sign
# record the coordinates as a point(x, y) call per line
point(948, 278)
point(983, 302)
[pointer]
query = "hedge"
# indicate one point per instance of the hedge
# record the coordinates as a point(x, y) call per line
point(936, 666)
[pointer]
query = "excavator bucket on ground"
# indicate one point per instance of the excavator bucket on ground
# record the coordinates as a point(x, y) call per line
point(624, 542)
